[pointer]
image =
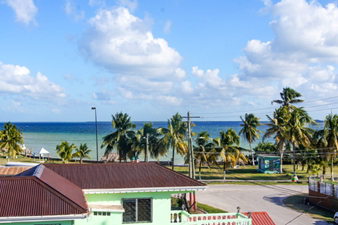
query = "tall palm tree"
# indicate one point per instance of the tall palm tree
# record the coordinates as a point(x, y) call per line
point(173, 136)
point(65, 151)
point(119, 138)
point(82, 152)
point(228, 147)
point(278, 129)
point(250, 131)
point(329, 136)
point(298, 132)
point(288, 96)
point(146, 140)
point(203, 151)
point(10, 139)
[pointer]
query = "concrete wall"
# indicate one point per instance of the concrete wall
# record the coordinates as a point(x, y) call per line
point(161, 208)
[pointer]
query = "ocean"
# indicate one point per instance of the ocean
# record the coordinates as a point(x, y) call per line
point(49, 134)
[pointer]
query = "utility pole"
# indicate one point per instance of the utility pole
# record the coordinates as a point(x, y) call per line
point(97, 146)
point(190, 150)
point(147, 146)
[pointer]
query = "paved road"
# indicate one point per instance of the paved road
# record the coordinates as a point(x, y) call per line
point(257, 198)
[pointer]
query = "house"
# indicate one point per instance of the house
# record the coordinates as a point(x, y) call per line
point(101, 194)
point(268, 163)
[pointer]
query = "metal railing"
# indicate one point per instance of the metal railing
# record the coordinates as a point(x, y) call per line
point(183, 217)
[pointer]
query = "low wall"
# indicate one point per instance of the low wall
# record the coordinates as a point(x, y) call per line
point(322, 195)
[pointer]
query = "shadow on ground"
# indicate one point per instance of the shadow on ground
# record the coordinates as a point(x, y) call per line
point(274, 199)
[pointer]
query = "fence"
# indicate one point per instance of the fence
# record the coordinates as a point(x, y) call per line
point(323, 192)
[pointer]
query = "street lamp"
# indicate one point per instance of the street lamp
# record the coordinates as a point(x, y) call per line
point(97, 148)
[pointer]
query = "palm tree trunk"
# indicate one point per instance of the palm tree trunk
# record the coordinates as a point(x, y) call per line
point(120, 157)
point(200, 169)
point(294, 159)
point(173, 159)
point(80, 160)
point(281, 163)
point(252, 155)
point(332, 179)
point(145, 154)
point(224, 170)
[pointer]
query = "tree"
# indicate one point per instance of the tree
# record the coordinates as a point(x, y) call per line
point(119, 138)
point(203, 151)
point(328, 137)
point(266, 148)
point(250, 131)
point(277, 128)
point(151, 146)
point(82, 152)
point(227, 144)
point(65, 151)
point(288, 96)
point(10, 139)
point(174, 136)
point(298, 132)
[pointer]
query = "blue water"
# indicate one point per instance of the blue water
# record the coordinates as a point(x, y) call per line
point(48, 135)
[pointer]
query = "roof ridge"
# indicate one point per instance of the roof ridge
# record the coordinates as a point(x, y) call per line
point(178, 173)
point(58, 193)
point(39, 170)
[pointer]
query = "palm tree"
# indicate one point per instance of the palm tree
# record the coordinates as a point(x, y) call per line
point(277, 128)
point(250, 131)
point(65, 150)
point(298, 132)
point(288, 96)
point(10, 139)
point(203, 151)
point(146, 140)
point(228, 144)
point(119, 139)
point(173, 136)
point(328, 136)
point(82, 152)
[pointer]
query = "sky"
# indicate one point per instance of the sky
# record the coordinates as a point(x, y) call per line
point(151, 59)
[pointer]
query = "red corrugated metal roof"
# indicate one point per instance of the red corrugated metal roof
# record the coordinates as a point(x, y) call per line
point(29, 196)
point(122, 175)
point(11, 171)
point(260, 218)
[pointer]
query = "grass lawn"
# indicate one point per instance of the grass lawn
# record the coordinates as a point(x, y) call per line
point(247, 173)
point(295, 202)
point(209, 209)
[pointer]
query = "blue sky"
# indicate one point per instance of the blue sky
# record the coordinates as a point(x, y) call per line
point(151, 59)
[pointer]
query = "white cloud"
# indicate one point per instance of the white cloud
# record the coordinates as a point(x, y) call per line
point(16, 79)
point(123, 43)
point(130, 4)
point(71, 10)
point(167, 27)
point(302, 55)
point(180, 73)
point(187, 87)
point(25, 10)
point(170, 100)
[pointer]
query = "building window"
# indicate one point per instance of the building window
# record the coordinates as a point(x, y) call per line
point(101, 213)
point(137, 210)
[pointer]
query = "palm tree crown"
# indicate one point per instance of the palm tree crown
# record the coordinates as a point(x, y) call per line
point(82, 152)
point(288, 96)
point(119, 139)
point(65, 150)
point(10, 139)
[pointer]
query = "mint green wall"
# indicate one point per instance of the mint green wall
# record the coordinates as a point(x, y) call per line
point(49, 222)
point(161, 207)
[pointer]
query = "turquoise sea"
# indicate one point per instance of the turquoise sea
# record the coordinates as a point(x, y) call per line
point(50, 134)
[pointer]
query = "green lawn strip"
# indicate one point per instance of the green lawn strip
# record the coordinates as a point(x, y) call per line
point(295, 202)
point(209, 209)
point(244, 173)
